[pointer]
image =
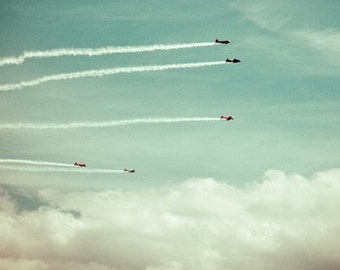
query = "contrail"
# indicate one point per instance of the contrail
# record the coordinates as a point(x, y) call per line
point(104, 72)
point(17, 60)
point(33, 162)
point(45, 166)
point(114, 123)
point(51, 169)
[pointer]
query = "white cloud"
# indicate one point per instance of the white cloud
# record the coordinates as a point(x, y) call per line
point(22, 264)
point(326, 42)
point(313, 50)
point(284, 220)
point(267, 14)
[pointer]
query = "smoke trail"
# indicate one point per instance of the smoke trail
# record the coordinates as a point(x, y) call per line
point(97, 51)
point(104, 72)
point(62, 170)
point(114, 123)
point(32, 162)
point(45, 166)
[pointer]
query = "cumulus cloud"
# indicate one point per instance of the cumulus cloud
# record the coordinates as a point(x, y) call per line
point(22, 264)
point(283, 221)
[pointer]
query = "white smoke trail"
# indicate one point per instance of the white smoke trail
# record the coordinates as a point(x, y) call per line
point(104, 72)
point(51, 169)
point(46, 166)
point(114, 123)
point(97, 51)
point(33, 162)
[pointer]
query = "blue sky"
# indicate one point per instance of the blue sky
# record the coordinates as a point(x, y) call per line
point(284, 96)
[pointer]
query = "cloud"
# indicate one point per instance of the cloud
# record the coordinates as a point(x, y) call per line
point(327, 42)
point(22, 264)
point(284, 220)
point(266, 15)
point(297, 40)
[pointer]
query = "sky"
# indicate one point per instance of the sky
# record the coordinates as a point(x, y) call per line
point(142, 85)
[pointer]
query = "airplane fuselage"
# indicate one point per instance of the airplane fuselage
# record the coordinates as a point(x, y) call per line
point(223, 41)
point(227, 118)
point(79, 164)
point(233, 60)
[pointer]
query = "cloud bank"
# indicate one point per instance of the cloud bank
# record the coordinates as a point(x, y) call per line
point(283, 222)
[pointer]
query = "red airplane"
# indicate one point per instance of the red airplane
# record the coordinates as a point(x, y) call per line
point(233, 60)
point(222, 41)
point(79, 164)
point(227, 118)
point(129, 171)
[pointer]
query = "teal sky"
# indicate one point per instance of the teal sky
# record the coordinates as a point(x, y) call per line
point(284, 96)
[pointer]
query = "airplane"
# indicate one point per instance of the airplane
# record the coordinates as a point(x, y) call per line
point(233, 60)
point(227, 118)
point(129, 171)
point(79, 164)
point(222, 41)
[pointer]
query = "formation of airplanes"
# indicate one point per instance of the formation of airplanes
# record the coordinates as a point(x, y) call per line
point(84, 165)
point(223, 117)
point(227, 42)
